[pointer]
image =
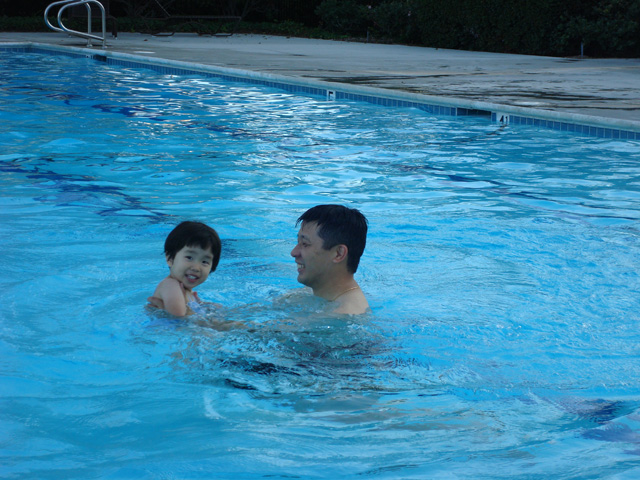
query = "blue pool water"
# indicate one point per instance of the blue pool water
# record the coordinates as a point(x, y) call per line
point(501, 267)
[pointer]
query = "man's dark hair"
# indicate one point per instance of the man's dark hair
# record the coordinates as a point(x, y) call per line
point(193, 234)
point(340, 225)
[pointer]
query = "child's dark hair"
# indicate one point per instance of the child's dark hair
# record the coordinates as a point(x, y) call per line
point(190, 234)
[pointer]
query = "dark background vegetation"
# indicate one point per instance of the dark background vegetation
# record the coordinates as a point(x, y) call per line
point(597, 28)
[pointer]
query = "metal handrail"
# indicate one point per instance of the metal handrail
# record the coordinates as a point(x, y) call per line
point(88, 35)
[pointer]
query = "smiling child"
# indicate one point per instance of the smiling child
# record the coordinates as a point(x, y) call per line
point(192, 250)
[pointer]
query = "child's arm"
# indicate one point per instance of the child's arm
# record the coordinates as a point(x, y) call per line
point(171, 293)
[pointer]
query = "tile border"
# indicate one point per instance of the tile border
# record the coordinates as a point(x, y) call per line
point(509, 115)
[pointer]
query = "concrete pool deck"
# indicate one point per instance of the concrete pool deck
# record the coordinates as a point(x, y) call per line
point(594, 91)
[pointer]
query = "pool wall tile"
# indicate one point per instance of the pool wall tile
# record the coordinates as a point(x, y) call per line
point(339, 92)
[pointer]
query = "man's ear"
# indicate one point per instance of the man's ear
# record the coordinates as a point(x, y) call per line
point(341, 252)
point(169, 261)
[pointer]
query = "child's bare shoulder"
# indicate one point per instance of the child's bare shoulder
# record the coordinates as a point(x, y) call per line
point(167, 285)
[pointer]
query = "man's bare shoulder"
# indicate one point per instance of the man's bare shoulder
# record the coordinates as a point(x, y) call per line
point(352, 303)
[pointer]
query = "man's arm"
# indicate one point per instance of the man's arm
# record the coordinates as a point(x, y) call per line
point(156, 302)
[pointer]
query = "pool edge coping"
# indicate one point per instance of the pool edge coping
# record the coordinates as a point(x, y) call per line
point(576, 123)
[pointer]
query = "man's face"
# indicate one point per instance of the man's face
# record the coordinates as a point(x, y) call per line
point(314, 262)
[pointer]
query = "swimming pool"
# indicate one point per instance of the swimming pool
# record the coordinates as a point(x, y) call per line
point(502, 268)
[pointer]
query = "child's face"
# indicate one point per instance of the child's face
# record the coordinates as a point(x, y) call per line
point(191, 266)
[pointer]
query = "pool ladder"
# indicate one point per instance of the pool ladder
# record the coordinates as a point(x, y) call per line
point(88, 35)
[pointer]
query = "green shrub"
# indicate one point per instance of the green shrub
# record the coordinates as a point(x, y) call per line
point(605, 28)
point(609, 28)
point(542, 27)
point(23, 24)
point(391, 20)
point(347, 17)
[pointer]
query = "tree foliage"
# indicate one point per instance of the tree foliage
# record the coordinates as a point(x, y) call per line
point(599, 28)
point(604, 28)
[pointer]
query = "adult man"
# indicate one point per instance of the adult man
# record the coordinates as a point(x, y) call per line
point(331, 241)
